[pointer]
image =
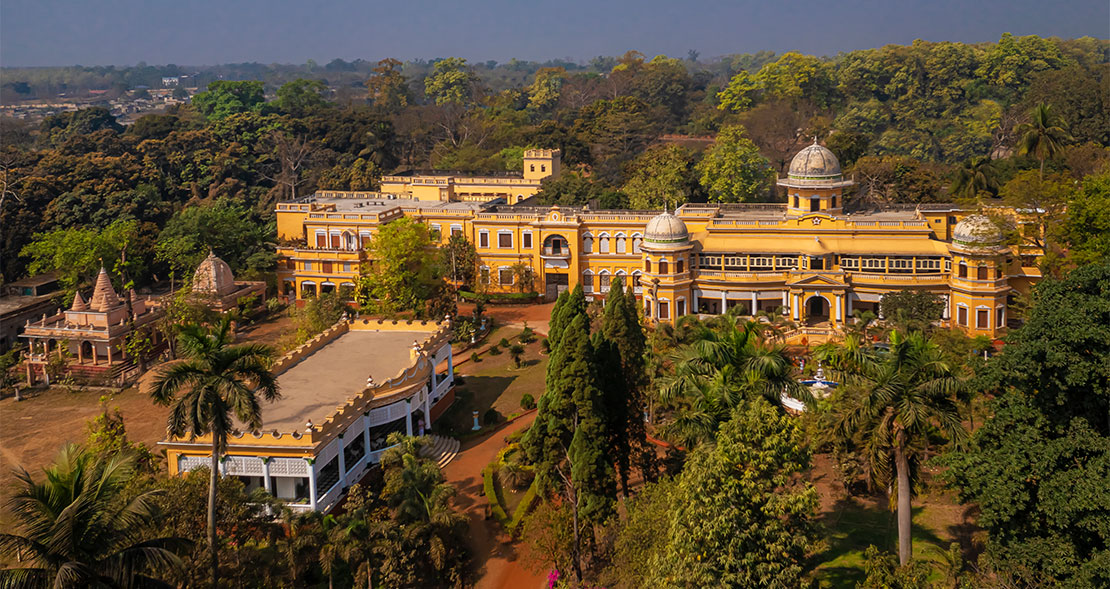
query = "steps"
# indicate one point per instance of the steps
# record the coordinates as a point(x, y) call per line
point(442, 450)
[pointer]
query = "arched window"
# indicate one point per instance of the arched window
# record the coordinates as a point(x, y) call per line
point(982, 273)
point(588, 281)
point(587, 243)
point(603, 244)
point(624, 279)
point(679, 266)
point(543, 167)
point(532, 168)
point(636, 286)
point(637, 239)
point(795, 201)
point(833, 205)
point(603, 281)
point(647, 266)
point(663, 269)
point(963, 270)
point(620, 243)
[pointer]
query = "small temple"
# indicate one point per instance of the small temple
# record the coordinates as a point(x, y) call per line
point(92, 333)
point(214, 285)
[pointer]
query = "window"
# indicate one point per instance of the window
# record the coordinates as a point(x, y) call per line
point(532, 168)
point(833, 202)
point(364, 238)
point(346, 266)
point(587, 244)
point(321, 239)
point(456, 229)
point(335, 240)
point(483, 238)
point(435, 232)
point(526, 240)
point(680, 308)
point(814, 204)
point(664, 310)
point(637, 239)
point(328, 476)
point(484, 275)
point(963, 270)
point(679, 266)
point(354, 451)
point(982, 318)
point(647, 266)
point(603, 282)
point(982, 272)
point(961, 316)
point(663, 269)
point(504, 240)
point(604, 243)
point(308, 266)
point(636, 286)
point(620, 243)
point(587, 281)
point(543, 167)
point(505, 276)
point(326, 267)
point(1000, 316)
point(795, 201)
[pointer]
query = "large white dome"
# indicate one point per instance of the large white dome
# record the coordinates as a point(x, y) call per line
point(977, 230)
point(814, 163)
point(666, 229)
point(213, 277)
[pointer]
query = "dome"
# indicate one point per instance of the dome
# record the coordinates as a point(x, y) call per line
point(213, 277)
point(814, 162)
point(976, 230)
point(666, 229)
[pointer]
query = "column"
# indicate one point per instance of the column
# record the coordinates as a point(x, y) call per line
point(848, 304)
point(366, 433)
point(109, 352)
point(947, 312)
point(694, 309)
point(450, 365)
point(80, 353)
point(342, 464)
point(311, 485)
point(428, 410)
point(839, 316)
point(724, 302)
point(785, 299)
point(408, 417)
point(266, 475)
point(755, 303)
point(794, 309)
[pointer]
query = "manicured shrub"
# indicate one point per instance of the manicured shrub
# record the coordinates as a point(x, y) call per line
point(527, 336)
point(545, 346)
point(474, 357)
point(492, 417)
point(517, 353)
point(527, 402)
point(504, 343)
point(494, 350)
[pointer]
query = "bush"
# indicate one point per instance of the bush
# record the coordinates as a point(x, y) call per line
point(545, 346)
point(488, 488)
point(527, 402)
point(474, 357)
point(517, 353)
point(492, 417)
point(515, 475)
point(527, 336)
point(494, 350)
point(504, 343)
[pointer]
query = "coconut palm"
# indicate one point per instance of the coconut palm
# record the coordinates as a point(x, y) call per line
point(724, 366)
point(1041, 137)
point(215, 383)
point(899, 397)
point(974, 176)
point(78, 529)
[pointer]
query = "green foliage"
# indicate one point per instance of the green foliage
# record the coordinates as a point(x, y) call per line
point(459, 259)
point(453, 82)
point(739, 515)
point(489, 488)
point(911, 309)
point(225, 98)
point(316, 315)
point(642, 536)
point(573, 189)
point(1086, 229)
point(737, 96)
point(63, 127)
point(516, 351)
point(77, 254)
point(883, 572)
point(79, 527)
point(301, 96)
point(732, 170)
point(404, 275)
point(491, 416)
point(527, 402)
point(661, 176)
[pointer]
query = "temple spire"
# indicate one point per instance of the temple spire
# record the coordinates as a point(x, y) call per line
point(79, 303)
point(104, 296)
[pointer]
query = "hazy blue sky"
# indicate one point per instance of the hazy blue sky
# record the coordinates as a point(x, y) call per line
point(200, 32)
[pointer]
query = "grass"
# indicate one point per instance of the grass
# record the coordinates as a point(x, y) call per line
point(495, 382)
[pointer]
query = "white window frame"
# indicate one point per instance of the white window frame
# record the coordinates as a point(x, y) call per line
point(526, 240)
point(502, 232)
point(637, 241)
point(501, 281)
point(603, 243)
point(621, 244)
point(483, 235)
point(587, 243)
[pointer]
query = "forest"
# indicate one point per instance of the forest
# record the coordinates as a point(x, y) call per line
point(917, 123)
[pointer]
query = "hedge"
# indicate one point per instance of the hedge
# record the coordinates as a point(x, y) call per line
point(500, 297)
point(491, 496)
point(523, 509)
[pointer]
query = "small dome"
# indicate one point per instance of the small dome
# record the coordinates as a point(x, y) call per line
point(213, 277)
point(976, 230)
point(814, 162)
point(666, 229)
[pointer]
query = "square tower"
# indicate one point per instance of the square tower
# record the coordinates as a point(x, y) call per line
point(542, 163)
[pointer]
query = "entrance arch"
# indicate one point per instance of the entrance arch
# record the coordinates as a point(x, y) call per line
point(817, 309)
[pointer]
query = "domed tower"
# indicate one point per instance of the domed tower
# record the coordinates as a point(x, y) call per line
point(213, 277)
point(978, 281)
point(667, 278)
point(814, 183)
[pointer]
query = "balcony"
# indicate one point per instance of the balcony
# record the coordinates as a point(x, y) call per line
point(897, 279)
point(768, 276)
point(555, 253)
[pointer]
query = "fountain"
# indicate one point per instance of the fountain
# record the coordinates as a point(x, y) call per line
point(818, 385)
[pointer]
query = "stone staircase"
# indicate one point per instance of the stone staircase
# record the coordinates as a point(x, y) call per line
point(442, 450)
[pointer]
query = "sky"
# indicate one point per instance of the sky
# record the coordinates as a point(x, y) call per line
point(207, 32)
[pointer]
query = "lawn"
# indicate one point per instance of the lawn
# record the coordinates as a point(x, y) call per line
point(495, 382)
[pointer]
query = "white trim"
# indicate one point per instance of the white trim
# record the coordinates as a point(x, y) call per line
point(512, 241)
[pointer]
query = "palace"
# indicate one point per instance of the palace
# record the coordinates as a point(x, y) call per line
point(808, 257)
point(342, 394)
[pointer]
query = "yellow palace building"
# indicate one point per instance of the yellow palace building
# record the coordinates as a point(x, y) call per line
point(809, 256)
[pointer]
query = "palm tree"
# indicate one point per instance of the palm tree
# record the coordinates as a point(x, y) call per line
point(974, 176)
point(900, 396)
point(217, 382)
point(724, 366)
point(79, 529)
point(1040, 137)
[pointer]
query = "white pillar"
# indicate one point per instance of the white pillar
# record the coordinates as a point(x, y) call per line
point(848, 304)
point(755, 303)
point(694, 309)
point(785, 300)
point(839, 316)
point(266, 475)
point(408, 417)
point(947, 312)
point(794, 308)
point(366, 433)
point(428, 409)
point(342, 464)
point(724, 302)
point(311, 485)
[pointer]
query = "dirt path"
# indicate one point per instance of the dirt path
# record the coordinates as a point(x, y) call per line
point(497, 560)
